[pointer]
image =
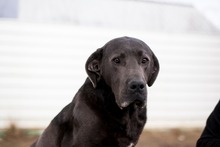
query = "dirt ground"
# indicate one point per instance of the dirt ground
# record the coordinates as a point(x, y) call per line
point(150, 138)
point(169, 138)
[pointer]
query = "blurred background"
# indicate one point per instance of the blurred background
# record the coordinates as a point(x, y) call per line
point(44, 45)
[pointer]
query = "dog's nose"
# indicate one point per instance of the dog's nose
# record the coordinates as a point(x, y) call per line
point(136, 86)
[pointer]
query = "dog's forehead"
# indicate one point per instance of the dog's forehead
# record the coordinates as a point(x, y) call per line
point(126, 45)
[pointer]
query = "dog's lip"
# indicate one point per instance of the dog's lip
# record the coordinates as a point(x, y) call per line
point(124, 105)
point(138, 103)
point(137, 99)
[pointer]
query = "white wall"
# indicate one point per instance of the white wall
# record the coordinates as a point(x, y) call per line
point(42, 67)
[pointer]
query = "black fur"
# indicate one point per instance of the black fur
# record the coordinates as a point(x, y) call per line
point(109, 110)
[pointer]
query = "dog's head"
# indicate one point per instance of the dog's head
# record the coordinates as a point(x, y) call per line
point(127, 65)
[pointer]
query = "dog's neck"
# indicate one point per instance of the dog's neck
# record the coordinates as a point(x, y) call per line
point(127, 122)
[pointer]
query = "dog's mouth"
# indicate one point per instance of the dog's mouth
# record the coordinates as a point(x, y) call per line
point(137, 103)
point(140, 104)
point(138, 100)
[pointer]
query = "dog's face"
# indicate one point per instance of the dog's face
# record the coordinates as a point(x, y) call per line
point(127, 65)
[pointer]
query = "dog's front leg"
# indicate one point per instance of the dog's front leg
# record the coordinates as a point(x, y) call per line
point(53, 134)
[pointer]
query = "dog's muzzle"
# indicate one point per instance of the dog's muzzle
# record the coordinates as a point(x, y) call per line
point(136, 94)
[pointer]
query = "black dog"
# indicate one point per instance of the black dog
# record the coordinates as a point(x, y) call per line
point(109, 110)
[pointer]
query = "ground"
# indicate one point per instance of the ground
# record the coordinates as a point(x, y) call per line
point(169, 138)
point(150, 138)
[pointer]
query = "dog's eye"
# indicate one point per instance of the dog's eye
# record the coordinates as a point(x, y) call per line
point(116, 60)
point(144, 60)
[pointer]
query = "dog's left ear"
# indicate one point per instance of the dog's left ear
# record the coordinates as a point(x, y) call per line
point(153, 71)
point(93, 66)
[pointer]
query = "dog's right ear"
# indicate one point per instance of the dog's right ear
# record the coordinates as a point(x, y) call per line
point(93, 66)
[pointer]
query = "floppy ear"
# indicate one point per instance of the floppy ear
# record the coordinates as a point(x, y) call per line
point(154, 71)
point(93, 67)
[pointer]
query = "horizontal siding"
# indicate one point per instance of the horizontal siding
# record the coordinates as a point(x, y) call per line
point(42, 67)
point(188, 84)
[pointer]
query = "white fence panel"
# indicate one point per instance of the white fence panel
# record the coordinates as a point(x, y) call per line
point(42, 67)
